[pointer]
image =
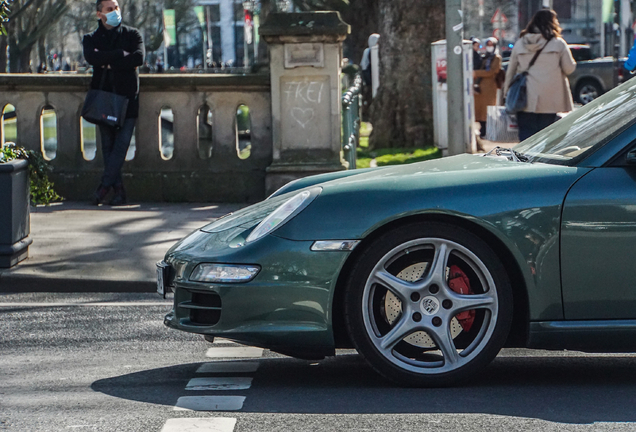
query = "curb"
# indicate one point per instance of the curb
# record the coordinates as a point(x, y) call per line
point(33, 284)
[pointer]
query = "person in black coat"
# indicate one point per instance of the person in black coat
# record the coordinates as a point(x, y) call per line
point(477, 57)
point(117, 51)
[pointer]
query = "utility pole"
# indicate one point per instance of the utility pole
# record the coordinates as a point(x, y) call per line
point(481, 19)
point(617, 40)
point(588, 28)
point(625, 23)
point(455, 77)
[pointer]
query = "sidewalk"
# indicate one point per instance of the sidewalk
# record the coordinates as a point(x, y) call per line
point(81, 248)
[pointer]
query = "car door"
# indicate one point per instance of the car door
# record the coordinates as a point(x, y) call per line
point(598, 244)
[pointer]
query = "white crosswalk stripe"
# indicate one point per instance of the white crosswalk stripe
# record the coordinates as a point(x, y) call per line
point(216, 383)
point(234, 352)
point(219, 341)
point(220, 383)
point(220, 424)
point(209, 403)
point(228, 367)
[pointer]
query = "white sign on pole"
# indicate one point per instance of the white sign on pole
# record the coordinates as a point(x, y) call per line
point(499, 19)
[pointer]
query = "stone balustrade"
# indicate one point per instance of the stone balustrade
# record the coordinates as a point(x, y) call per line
point(212, 155)
point(201, 138)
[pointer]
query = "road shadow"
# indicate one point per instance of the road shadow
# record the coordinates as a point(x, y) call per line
point(580, 390)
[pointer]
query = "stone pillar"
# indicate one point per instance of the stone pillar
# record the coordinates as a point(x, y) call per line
point(305, 60)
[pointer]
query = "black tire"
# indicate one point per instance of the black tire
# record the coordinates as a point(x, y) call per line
point(587, 90)
point(428, 310)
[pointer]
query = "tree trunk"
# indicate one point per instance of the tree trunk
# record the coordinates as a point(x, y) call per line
point(42, 51)
point(402, 112)
point(14, 56)
point(132, 14)
point(25, 59)
point(3, 54)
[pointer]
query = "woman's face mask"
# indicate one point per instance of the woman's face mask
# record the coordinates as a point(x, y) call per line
point(113, 18)
point(490, 49)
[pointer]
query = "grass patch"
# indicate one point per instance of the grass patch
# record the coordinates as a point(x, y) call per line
point(418, 155)
point(396, 156)
point(390, 156)
point(365, 131)
point(363, 163)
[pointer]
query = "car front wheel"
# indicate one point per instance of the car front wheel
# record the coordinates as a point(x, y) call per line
point(428, 304)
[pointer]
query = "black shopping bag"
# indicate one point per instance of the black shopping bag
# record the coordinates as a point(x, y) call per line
point(105, 108)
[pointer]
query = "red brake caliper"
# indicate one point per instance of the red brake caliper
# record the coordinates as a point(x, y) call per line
point(458, 282)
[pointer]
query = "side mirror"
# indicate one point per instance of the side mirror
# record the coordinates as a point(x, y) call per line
point(630, 158)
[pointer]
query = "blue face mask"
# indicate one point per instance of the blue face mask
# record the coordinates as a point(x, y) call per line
point(113, 18)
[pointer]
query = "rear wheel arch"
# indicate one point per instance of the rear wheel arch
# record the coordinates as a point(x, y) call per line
point(519, 330)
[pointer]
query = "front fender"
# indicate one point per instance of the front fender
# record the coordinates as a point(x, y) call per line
point(316, 179)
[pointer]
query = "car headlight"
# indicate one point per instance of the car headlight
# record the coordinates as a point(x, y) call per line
point(283, 213)
point(224, 273)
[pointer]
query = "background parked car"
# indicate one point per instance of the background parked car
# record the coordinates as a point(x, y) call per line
point(593, 76)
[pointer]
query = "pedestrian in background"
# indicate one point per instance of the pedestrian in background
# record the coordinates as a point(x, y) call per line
point(548, 88)
point(116, 50)
point(486, 83)
point(476, 54)
point(630, 63)
point(365, 63)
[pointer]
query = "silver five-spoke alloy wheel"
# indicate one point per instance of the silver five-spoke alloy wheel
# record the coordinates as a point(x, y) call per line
point(429, 305)
point(431, 308)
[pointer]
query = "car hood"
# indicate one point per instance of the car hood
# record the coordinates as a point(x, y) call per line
point(467, 185)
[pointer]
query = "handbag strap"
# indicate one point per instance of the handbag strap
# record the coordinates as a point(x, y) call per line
point(103, 80)
point(534, 59)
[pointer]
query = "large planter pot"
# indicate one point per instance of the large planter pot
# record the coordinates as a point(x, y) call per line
point(15, 221)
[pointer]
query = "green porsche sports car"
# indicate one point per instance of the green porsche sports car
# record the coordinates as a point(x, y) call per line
point(429, 269)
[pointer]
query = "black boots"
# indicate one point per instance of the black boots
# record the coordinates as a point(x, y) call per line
point(120, 196)
point(100, 194)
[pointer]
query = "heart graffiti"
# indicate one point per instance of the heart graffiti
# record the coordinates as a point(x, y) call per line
point(302, 115)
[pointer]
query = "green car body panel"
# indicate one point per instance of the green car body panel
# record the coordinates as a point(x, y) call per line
point(598, 240)
point(289, 306)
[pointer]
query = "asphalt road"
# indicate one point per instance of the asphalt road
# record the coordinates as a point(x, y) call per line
point(105, 362)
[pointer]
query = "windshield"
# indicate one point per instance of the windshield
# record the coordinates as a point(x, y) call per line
point(583, 131)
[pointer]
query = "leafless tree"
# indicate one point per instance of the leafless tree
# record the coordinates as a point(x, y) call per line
point(29, 21)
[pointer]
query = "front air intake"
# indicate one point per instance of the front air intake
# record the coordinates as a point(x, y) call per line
point(205, 308)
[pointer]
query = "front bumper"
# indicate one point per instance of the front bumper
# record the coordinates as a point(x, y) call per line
point(286, 308)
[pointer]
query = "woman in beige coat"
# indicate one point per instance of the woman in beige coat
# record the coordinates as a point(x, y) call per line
point(486, 84)
point(547, 83)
